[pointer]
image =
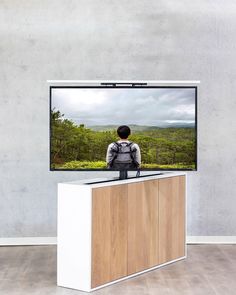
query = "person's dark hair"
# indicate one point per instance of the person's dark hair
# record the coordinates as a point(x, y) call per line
point(123, 131)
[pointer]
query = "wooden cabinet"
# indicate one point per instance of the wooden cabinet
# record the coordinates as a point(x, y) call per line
point(171, 218)
point(109, 238)
point(110, 231)
point(142, 225)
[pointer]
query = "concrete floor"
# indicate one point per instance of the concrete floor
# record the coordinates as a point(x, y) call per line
point(209, 269)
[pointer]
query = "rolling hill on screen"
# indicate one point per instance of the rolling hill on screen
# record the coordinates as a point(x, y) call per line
point(138, 128)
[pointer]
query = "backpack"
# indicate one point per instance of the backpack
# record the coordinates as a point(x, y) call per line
point(123, 156)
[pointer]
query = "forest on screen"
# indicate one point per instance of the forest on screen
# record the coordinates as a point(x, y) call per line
point(80, 147)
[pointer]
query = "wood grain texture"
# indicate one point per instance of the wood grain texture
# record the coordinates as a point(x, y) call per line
point(109, 234)
point(171, 218)
point(142, 225)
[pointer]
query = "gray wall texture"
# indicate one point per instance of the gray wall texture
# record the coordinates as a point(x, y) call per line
point(107, 39)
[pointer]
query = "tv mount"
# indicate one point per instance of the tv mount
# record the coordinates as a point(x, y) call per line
point(111, 84)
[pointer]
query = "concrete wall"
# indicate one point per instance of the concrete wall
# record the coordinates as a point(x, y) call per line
point(106, 39)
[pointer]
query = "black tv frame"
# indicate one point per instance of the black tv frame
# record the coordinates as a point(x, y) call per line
point(123, 174)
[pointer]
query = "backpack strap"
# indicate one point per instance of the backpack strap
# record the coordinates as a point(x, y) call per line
point(115, 150)
point(116, 146)
point(132, 151)
point(130, 144)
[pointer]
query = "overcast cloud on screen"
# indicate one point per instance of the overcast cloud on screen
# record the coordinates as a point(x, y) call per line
point(151, 107)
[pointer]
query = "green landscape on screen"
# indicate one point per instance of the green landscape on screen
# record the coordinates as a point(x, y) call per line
point(77, 146)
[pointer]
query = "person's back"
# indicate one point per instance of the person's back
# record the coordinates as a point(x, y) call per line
point(123, 154)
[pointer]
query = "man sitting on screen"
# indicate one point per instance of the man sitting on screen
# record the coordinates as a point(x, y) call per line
point(123, 154)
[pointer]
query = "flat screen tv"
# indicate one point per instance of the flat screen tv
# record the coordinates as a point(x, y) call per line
point(161, 120)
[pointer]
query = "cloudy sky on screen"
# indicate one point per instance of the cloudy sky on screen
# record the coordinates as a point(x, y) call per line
point(150, 107)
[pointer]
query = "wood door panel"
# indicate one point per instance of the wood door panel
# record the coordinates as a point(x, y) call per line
point(119, 229)
point(171, 218)
point(109, 234)
point(142, 225)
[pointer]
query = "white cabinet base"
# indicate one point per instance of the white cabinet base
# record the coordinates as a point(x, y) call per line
point(74, 249)
point(122, 279)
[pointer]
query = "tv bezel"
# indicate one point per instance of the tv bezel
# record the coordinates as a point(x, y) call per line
point(113, 85)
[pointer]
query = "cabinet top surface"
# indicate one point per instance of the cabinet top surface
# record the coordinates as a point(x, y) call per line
point(100, 182)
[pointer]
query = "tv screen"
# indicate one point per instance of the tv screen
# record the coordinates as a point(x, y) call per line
point(143, 127)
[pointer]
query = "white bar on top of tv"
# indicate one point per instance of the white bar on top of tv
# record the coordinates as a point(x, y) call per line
point(149, 82)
